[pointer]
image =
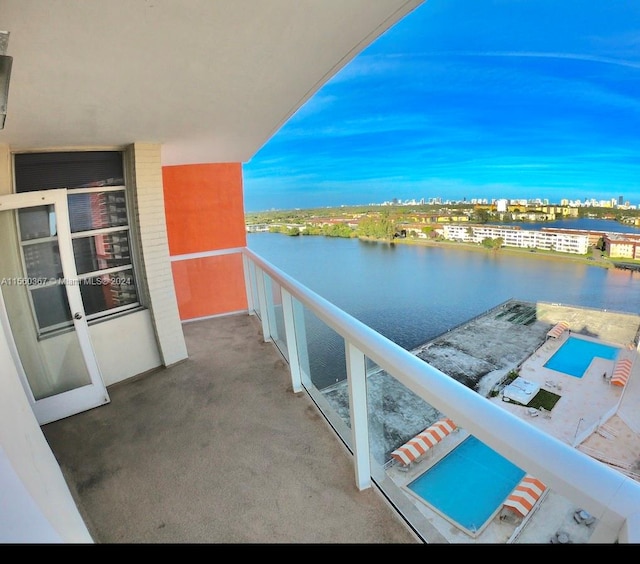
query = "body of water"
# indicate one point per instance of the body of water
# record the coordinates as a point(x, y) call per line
point(412, 294)
point(579, 223)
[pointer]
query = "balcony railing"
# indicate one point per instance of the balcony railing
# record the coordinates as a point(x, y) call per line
point(302, 324)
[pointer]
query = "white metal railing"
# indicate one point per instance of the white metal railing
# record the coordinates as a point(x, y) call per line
point(608, 495)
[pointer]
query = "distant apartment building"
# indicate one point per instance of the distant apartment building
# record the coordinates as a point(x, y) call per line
point(461, 218)
point(594, 237)
point(329, 221)
point(622, 245)
point(557, 211)
point(532, 215)
point(551, 240)
point(258, 228)
point(418, 230)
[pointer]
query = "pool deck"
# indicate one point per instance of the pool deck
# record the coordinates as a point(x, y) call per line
point(598, 418)
point(585, 403)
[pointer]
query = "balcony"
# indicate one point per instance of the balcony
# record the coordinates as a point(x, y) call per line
point(216, 449)
point(238, 445)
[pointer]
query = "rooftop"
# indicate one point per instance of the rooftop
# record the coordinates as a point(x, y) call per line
point(600, 419)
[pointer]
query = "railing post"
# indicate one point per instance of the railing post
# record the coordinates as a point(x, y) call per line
point(262, 301)
point(270, 309)
point(356, 376)
point(246, 267)
point(292, 344)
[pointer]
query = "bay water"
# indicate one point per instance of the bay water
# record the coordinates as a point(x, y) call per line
point(411, 294)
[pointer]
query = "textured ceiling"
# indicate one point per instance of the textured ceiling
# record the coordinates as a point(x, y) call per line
point(212, 80)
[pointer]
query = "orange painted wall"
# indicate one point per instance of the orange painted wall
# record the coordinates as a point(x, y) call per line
point(209, 286)
point(204, 208)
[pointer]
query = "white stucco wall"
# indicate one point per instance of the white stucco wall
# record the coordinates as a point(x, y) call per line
point(145, 181)
point(112, 341)
point(32, 488)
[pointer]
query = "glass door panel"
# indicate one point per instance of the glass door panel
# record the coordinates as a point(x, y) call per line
point(41, 308)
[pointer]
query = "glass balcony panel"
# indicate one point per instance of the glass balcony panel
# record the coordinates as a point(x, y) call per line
point(325, 349)
point(276, 315)
point(301, 343)
point(396, 414)
point(321, 356)
point(320, 350)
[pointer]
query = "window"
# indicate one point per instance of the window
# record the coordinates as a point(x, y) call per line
point(99, 224)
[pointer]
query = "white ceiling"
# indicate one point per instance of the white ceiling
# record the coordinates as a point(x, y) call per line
point(212, 80)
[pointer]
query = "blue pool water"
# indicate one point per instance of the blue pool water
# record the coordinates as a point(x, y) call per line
point(469, 484)
point(575, 356)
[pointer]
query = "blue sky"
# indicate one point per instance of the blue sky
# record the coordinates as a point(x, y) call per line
point(470, 99)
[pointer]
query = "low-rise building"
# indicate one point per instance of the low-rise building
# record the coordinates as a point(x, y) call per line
point(514, 236)
point(622, 245)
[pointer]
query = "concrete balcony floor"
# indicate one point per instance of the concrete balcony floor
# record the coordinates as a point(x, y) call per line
point(217, 449)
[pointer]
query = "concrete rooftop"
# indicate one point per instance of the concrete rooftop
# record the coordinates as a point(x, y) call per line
point(600, 419)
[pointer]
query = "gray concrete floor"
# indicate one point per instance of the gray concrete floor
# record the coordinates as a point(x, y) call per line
point(217, 449)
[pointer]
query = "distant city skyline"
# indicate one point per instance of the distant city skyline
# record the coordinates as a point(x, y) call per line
point(615, 203)
point(618, 202)
point(470, 99)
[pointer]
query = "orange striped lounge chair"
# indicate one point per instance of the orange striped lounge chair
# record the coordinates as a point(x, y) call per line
point(523, 498)
point(413, 449)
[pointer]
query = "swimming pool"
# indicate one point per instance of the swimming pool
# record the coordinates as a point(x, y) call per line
point(575, 355)
point(468, 485)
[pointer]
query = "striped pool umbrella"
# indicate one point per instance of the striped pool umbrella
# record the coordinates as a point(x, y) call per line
point(525, 495)
point(621, 372)
point(559, 328)
point(423, 441)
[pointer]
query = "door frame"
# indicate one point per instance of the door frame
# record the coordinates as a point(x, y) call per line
point(94, 393)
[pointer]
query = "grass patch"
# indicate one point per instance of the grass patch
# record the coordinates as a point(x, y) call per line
point(543, 399)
